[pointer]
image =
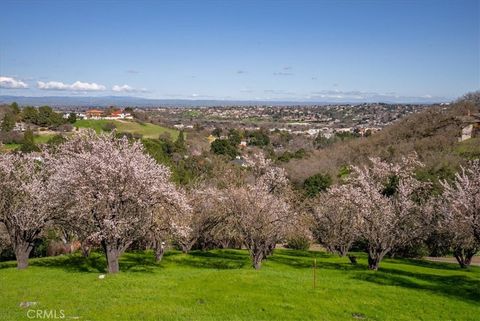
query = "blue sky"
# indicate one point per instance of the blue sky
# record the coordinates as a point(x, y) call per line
point(270, 50)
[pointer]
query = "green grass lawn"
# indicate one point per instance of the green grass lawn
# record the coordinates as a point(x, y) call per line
point(39, 139)
point(220, 285)
point(43, 138)
point(148, 130)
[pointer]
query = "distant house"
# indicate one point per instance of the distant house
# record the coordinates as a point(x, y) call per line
point(94, 113)
point(100, 114)
point(467, 133)
point(116, 114)
point(19, 127)
point(471, 128)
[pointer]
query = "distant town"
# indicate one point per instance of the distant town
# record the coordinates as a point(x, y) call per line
point(308, 120)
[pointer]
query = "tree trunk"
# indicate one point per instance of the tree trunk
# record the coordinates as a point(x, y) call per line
point(341, 250)
point(374, 258)
point(85, 250)
point(257, 257)
point(373, 263)
point(22, 252)
point(224, 244)
point(112, 254)
point(464, 257)
point(185, 248)
point(269, 250)
point(353, 259)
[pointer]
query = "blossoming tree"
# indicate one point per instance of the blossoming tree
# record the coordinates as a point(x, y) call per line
point(259, 209)
point(25, 202)
point(460, 213)
point(336, 219)
point(113, 189)
point(389, 200)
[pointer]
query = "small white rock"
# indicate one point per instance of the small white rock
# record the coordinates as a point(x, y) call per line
point(101, 276)
point(27, 304)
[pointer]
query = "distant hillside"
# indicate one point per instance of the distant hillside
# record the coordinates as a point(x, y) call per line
point(105, 101)
point(432, 134)
point(126, 101)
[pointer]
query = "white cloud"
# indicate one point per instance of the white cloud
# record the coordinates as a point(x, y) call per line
point(12, 83)
point(76, 86)
point(52, 85)
point(128, 89)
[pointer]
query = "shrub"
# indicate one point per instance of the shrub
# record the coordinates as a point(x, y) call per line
point(108, 127)
point(223, 147)
point(316, 184)
point(298, 242)
point(417, 250)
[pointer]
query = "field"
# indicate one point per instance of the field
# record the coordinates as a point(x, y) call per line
point(147, 130)
point(220, 285)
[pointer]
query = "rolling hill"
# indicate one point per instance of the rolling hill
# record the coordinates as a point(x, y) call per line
point(147, 130)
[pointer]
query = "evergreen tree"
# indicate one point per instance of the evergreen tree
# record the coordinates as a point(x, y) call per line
point(72, 118)
point(8, 122)
point(15, 108)
point(28, 144)
point(180, 142)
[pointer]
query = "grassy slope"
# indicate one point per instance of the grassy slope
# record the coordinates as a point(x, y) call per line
point(220, 285)
point(148, 130)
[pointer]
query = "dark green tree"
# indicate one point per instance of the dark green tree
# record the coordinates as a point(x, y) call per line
point(160, 150)
point(258, 138)
point(217, 132)
point(30, 115)
point(180, 142)
point(15, 108)
point(8, 122)
point(316, 184)
point(223, 147)
point(72, 118)
point(234, 137)
point(44, 116)
point(28, 143)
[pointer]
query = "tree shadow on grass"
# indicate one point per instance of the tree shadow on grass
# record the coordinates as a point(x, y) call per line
point(96, 262)
point(218, 259)
point(74, 263)
point(138, 262)
point(458, 286)
point(305, 254)
point(307, 263)
point(433, 265)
